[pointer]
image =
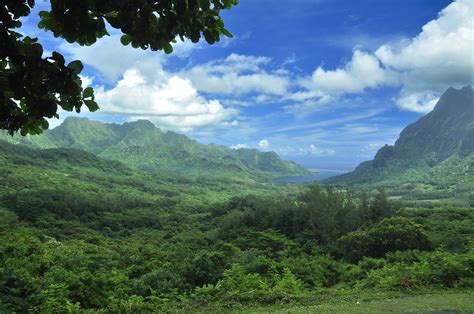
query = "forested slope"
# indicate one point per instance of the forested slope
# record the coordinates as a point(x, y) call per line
point(78, 232)
point(433, 158)
point(142, 146)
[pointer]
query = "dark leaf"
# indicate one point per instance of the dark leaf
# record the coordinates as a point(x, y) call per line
point(76, 66)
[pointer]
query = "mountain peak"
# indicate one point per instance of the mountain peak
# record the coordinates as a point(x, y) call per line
point(74, 120)
point(143, 146)
point(455, 101)
point(142, 123)
point(70, 118)
point(82, 133)
point(445, 133)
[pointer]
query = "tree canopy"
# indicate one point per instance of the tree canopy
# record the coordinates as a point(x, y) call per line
point(34, 86)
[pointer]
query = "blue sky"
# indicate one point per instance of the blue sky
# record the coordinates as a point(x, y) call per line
point(322, 82)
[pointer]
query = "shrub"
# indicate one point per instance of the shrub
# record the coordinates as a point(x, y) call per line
point(315, 271)
point(288, 283)
point(236, 281)
point(389, 235)
point(437, 268)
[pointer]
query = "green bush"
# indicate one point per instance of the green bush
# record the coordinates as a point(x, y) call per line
point(439, 268)
point(316, 271)
point(237, 283)
point(288, 283)
point(388, 235)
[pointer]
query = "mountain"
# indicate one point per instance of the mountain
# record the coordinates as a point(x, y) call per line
point(143, 146)
point(433, 156)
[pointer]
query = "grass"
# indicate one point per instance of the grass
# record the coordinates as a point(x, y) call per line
point(438, 301)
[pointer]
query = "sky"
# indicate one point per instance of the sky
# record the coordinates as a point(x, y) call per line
point(325, 83)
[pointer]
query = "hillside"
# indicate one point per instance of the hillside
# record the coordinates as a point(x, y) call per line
point(433, 157)
point(73, 184)
point(83, 234)
point(143, 146)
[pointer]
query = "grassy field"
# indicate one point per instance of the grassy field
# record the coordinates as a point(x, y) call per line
point(440, 301)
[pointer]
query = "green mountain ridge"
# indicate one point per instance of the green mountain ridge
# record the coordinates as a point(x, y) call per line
point(143, 146)
point(432, 158)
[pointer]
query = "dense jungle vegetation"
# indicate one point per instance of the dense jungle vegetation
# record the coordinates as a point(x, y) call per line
point(128, 218)
point(79, 232)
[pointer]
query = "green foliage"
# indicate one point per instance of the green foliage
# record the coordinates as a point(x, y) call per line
point(437, 268)
point(33, 87)
point(448, 228)
point(431, 162)
point(288, 283)
point(81, 233)
point(238, 285)
point(236, 282)
point(322, 215)
point(140, 145)
point(54, 299)
point(389, 235)
point(315, 270)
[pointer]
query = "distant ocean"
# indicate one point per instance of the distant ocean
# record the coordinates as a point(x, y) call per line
point(318, 175)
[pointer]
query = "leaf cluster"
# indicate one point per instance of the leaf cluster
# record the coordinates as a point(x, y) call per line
point(33, 87)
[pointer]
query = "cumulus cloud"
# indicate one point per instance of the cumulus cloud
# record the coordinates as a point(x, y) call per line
point(422, 102)
point(167, 100)
point(239, 146)
point(112, 59)
point(363, 71)
point(237, 74)
point(446, 41)
point(424, 66)
point(264, 145)
point(439, 57)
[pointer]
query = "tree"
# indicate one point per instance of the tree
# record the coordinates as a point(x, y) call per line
point(33, 87)
point(381, 206)
point(389, 235)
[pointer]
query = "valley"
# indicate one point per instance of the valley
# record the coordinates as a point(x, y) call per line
point(125, 211)
point(227, 156)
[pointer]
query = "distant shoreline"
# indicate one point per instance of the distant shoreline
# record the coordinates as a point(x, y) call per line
point(314, 170)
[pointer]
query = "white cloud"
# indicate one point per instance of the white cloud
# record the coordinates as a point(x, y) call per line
point(446, 41)
point(308, 103)
point(237, 74)
point(286, 151)
point(231, 123)
point(363, 71)
point(264, 145)
point(439, 57)
point(86, 80)
point(112, 59)
point(252, 101)
point(315, 151)
point(422, 102)
point(239, 146)
point(169, 101)
point(311, 150)
point(360, 128)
